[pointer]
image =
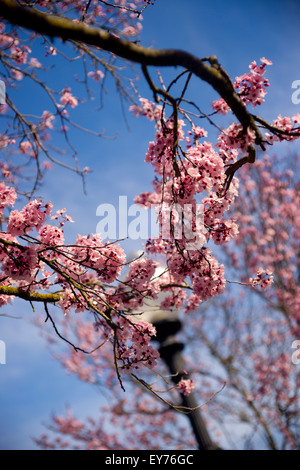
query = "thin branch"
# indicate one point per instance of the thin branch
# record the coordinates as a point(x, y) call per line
point(77, 348)
point(277, 130)
point(67, 30)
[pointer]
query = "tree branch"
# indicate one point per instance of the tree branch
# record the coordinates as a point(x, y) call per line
point(66, 29)
point(26, 294)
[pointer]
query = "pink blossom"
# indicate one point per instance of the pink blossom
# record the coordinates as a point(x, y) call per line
point(20, 54)
point(263, 278)
point(223, 231)
point(140, 272)
point(5, 39)
point(148, 109)
point(131, 30)
point(234, 137)
point(68, 99)
point(48, 208)
point(31, 216)
point(296, 118)
point(198, 132)
point(51, 50)
point(26, 147)
point(46, 120)
point(16, 223)
point(186, 386)
point(97, 75)
point(21, 264)
point(107, 260)
point(266, 61)
point(252, 86)
point(8, 196)
point(220, 106)
point(60, 213)
point(33, 62)
point(4, 141)
point(51, 235)
point(114, 258)
point(134, 349)
point(47, 165)
point(17, 74)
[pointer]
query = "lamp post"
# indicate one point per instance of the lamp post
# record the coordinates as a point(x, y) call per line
point(167, 324)
point(170, 351)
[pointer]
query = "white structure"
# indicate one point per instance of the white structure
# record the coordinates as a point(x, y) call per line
point(2, 92)
point(2, 352)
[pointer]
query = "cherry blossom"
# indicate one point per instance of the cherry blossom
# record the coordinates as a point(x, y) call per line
point(251, 87)
point(68, 99)
point(206, 202)
point(8, 196)
point(186, 386)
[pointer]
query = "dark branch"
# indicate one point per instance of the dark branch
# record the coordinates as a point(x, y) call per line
point(68, 30)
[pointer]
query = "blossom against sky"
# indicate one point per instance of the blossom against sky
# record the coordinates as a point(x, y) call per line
point(31, 384)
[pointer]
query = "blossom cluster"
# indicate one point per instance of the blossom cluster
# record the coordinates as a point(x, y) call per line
point(79, 272)
point(184, 175)
point(268, 380)
point(178, 184)
point(46, 244)
point(134, 348)
point(186, 386)
point(18, 263)
point(8, 197)
point(192, 208)
point(140, 283)
point(251, 87)
point(263, 278)
point(272, 240)
point(30, 217)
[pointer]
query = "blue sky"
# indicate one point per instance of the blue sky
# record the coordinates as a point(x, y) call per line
point(32, 385)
